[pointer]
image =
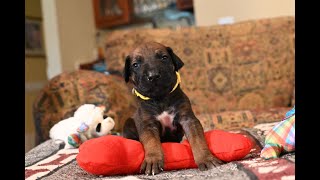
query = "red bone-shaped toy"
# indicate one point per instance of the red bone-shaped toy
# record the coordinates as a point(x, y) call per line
point(115, 155)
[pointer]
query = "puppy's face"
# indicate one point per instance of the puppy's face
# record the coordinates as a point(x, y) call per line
point(151, 68)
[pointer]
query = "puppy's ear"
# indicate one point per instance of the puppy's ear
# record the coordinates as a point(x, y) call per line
point(177, 62)
point(126, 70)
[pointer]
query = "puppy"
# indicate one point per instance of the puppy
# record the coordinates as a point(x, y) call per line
point(164, 112)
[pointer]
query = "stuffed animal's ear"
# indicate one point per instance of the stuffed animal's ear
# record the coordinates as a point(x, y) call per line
point(126, 70)
point(175, 59)
point(101, 108)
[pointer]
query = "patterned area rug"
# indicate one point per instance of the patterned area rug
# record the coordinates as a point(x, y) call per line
point(49, 161)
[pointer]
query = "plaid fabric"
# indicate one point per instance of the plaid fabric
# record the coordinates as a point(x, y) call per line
point(281, 137)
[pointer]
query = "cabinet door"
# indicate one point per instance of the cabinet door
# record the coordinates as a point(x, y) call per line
point(110, 13)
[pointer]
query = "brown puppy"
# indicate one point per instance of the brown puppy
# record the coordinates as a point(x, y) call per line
point(164, 112)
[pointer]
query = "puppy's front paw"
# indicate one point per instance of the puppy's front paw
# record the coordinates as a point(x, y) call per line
point(152, 164)
point(207, 161)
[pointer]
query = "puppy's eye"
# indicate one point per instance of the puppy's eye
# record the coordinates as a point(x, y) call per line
point(135, 65)
point(164, 57)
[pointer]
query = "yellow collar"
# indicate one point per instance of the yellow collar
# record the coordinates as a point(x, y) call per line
point(134, 91)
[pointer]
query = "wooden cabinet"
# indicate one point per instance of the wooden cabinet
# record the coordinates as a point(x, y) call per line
point(110, 13)
point(184, 4)
point(115, 13)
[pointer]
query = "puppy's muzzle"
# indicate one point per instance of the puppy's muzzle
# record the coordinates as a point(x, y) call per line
point(153, 75)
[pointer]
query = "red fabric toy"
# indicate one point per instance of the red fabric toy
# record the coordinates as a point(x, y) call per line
point(115, 155)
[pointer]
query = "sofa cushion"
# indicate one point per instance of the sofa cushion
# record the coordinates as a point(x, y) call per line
point(234, 120)
point(241, 66)
point(66, 92)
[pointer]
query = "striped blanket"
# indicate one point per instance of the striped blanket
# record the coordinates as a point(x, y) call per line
point(50, 161)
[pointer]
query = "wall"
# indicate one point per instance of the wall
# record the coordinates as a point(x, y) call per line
point(69, 37)
point(69, 33)
point(208, 12)
point(35, 78)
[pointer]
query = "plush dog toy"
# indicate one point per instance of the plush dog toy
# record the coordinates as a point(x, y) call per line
point(281, 138)
point(87, 123)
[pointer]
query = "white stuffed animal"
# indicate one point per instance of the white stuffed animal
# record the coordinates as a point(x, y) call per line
point(87, 123)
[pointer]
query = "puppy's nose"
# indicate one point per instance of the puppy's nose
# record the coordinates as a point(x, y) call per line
point(151, 76)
